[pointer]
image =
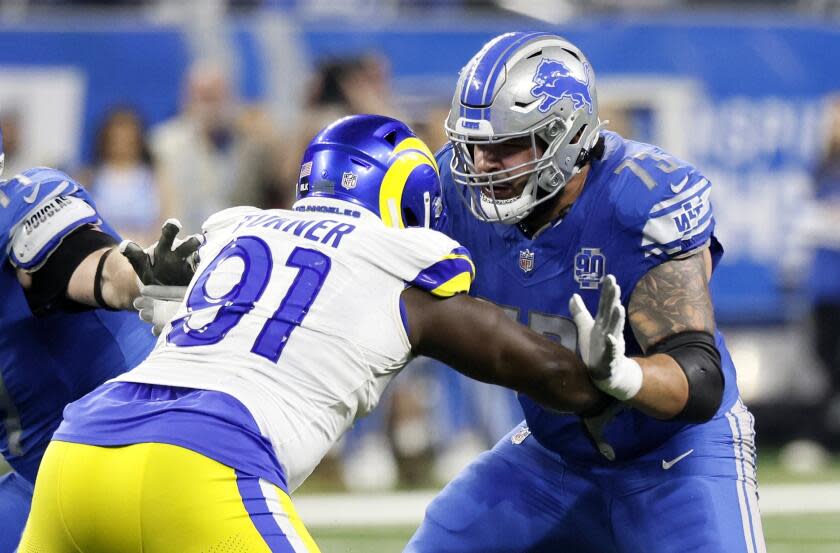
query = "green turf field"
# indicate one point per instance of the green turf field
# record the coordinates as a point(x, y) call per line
point(366, 540)
point(801, 533)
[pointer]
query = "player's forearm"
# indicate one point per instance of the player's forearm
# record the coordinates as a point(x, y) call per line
point(477, 339)
point(664, 390)
point(117, 283)
point(554, 377)
point(527, 362)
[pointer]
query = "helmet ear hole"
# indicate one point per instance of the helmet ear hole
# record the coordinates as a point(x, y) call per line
point(578, 136)
point(410, 218)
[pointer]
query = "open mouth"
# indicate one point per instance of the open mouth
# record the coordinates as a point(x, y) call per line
point(498, 192)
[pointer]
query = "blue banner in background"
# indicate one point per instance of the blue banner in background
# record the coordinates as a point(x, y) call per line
point(123, 63)
point(753, 127)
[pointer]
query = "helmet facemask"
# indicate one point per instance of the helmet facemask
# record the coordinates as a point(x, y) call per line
point(547, 173)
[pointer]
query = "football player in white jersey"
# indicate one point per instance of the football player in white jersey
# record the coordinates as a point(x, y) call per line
point(291, 328)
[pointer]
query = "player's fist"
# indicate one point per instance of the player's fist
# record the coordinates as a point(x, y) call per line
point(169, 261)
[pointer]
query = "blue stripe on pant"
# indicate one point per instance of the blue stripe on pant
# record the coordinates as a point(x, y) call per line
point(261, 515)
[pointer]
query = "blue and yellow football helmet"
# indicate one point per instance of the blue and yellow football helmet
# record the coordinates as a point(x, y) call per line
point(377, 163)
point(2, 155)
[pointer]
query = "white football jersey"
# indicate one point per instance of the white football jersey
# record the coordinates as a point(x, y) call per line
point(297, 314)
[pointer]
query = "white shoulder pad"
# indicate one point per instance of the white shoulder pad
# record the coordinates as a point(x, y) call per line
point(44, 227)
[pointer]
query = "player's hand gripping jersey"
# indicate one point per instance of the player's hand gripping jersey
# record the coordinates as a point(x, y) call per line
point(639, 208)
point(296, 315)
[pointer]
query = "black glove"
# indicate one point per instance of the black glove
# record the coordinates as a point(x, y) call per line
point(169, 261)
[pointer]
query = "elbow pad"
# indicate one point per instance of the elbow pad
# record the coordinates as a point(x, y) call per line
point(698, 357)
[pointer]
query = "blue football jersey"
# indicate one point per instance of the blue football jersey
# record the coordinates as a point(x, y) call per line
point(639, 208)
point(47, 362)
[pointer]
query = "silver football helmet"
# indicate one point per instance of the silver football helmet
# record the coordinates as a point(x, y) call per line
point(535, 85)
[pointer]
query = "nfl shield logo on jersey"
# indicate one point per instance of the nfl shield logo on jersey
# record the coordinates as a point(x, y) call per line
point(520, 435)
point(348, 180)
point(590, 268)
point(526, 260)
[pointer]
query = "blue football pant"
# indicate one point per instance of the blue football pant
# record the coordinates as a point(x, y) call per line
point(15, 500)
point(525, 498)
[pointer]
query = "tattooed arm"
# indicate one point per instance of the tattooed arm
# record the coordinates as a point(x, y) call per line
point(671, 298)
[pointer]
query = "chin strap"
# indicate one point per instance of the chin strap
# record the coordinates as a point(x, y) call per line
point(595, 151)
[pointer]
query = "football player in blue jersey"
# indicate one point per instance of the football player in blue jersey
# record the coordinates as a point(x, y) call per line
point(549, 204)
point(59, 334)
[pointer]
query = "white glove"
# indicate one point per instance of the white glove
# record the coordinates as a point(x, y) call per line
point(601, 343)
point(158, 304)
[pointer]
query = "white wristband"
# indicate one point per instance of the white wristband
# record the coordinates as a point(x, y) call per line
point(625, 380)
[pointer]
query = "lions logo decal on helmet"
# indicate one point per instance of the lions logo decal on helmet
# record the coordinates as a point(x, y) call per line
point(554, 81)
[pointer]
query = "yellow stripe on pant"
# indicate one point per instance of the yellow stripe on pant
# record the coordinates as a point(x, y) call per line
point(155, 498)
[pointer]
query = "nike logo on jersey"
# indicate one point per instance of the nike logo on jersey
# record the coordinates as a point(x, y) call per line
point(677, 188)
point(29, 198)
point(668, 464)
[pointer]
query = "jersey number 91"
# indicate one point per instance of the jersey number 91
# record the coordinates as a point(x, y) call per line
point(257, 262)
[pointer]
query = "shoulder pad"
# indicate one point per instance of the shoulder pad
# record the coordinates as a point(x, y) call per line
point(22, 192)
point(43, 228)
point(34, 185)
point(420, 257)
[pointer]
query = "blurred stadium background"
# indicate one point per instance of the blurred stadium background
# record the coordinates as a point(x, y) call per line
point(180, 107)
